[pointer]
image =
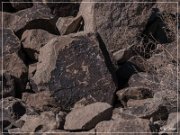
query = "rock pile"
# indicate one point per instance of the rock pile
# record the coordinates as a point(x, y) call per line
point(89, 66)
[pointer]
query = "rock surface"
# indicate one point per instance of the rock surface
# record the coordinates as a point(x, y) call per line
point(69, 25)
point(33, 40)
point(12, 61)
point(85, 119)
point(89, 67)
point(64, 59)
point(134, 125)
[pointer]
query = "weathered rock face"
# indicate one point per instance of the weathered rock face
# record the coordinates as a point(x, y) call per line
point(134, 125)
point(73, 67)
point(85, 119)
point(33, 40)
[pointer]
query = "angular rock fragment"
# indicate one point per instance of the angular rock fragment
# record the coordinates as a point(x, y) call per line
point(134, 125)
point(40, 101)
point(84, 118)
point(172, 123)
point(134, 93)
point(39, 123)
point(147, 109)
point(144, 80)
point(73, 67)
point(32, 70)
point(37, 17)
point(21, 4)
point(33, 40)
point(69, 25)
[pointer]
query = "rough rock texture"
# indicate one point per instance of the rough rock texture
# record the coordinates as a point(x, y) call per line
point(38, 123)
point(12, 58)
point(33, 40)
point(67, 25)
point(7, 86)
point(89, 67)
point(12, 110)
point(64, 59)
point(85, 119)
point(134, 93)
point(172, 123)
point(40, 100)
point(37, 17)
point(134, 125)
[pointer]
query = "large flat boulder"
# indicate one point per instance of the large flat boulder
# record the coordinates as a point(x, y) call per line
point(85, 119)
point(73, 67)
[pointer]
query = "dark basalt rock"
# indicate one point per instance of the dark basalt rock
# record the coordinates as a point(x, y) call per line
point(78, 70)
point(21, 4)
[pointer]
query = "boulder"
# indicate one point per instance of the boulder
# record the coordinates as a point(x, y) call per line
point(37, 17)
point(134, 93)
point(33, 40)
point(73, 67)
point(85, 119)
point(121, 125)
point(44, 122)
point(12, 61)
point(67, 25)
point(40, 101)
point(108, 20)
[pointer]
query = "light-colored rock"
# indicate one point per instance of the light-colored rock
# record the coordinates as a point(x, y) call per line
point(40, 101)
point(135, 125)
point(87, 117)
point(67, 25)
point(33, 40)
point(39, 123)
point(173, 123)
